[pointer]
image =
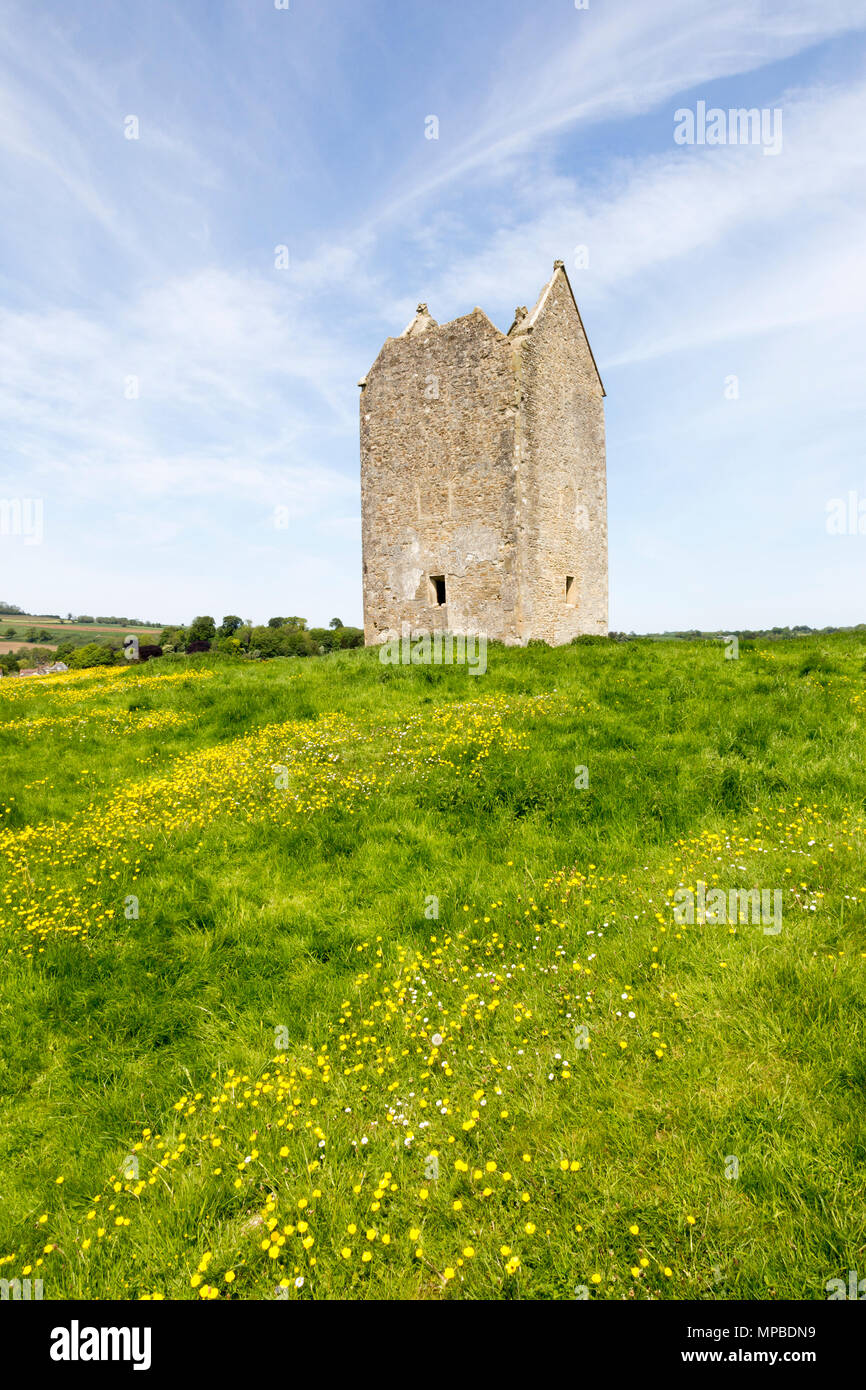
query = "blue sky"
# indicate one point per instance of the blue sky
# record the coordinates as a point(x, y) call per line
point(154, 259)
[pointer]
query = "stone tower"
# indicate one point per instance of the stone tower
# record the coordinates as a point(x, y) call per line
point(483, 486)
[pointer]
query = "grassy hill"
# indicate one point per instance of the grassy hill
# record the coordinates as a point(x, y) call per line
point(327, 979)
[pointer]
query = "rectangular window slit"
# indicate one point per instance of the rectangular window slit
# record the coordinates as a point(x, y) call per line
point(437, 589)
point(570, 596)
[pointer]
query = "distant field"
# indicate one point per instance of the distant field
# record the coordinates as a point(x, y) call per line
point(347, 980)
point(16, 646)
point(51, 625)
point(81, 627)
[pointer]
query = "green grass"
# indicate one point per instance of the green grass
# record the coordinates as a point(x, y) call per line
point(276, 924)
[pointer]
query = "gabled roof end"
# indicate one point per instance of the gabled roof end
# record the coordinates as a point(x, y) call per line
point(525, 322)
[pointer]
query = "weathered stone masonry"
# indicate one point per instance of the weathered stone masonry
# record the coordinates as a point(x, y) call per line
point(483, 486)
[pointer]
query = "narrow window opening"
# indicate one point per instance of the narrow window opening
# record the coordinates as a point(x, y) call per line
point(570, 595)
point(437, 589)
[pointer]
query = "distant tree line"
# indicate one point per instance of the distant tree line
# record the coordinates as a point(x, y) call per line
point(766, 634)
point(107, 622)
point(280, 636)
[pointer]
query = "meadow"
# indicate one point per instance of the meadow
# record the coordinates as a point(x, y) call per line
point(329, 979)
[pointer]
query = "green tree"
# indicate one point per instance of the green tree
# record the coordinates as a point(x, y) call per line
point(202, 629)
point(269, 641)
point(300, 643)
point(336, 622)
point(92, 654)
point(230, 624)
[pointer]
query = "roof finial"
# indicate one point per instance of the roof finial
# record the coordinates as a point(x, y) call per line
point(421, 323)
point(559, 265)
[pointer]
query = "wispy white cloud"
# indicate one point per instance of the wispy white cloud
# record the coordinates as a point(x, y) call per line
point(618, 62)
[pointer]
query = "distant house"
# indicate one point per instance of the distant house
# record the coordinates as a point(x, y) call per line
point(56, 667)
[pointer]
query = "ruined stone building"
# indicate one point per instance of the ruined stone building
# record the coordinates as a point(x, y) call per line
point(483, 487)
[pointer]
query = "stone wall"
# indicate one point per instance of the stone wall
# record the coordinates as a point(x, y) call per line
point(437, 481)
point(563, 466)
